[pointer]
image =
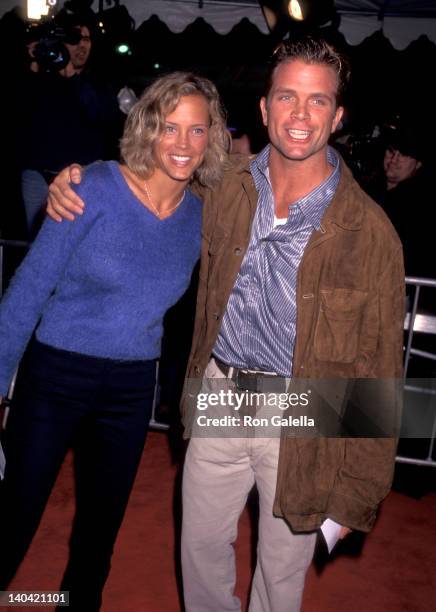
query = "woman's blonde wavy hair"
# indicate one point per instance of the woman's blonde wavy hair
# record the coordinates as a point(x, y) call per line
point(146, 121)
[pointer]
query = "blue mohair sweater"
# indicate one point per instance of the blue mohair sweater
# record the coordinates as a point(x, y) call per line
point(101, 285)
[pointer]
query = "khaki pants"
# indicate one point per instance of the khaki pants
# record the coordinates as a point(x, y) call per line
point(218, 475)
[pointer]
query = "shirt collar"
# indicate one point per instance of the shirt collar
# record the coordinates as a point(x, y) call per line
point(259, 167)
point(312, 205)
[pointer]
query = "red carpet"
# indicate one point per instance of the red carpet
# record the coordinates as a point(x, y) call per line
point(395, 571)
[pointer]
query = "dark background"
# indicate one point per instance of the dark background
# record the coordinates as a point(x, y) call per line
point(385, 83)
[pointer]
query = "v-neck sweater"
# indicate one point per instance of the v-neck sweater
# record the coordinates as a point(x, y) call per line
point(101, 285)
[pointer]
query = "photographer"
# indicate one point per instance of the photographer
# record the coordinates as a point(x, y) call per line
point(69, 113)
point(402, 189)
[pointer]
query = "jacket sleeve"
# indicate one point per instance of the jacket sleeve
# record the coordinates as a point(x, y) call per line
point(32, 286)
point(367, 469)
point(190, 385)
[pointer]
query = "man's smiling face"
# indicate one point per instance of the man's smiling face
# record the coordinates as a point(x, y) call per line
point(300, 111)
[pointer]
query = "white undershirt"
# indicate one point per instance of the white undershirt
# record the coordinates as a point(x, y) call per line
point(278, 221)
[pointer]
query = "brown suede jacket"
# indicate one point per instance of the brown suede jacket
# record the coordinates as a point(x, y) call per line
point(350, 312)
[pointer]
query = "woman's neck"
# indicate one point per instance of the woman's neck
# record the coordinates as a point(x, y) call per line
point(160, 194)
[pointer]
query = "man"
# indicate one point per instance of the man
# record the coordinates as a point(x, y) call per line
point(320, 296)
point(400, 162)
point(70, 117)
point(301, 276)
point(79, 53)
point(405, 183)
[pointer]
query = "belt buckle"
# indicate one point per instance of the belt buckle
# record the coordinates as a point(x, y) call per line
point(261, 382)
point(245, 381)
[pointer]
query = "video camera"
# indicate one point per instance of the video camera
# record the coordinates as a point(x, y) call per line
point(50, 36)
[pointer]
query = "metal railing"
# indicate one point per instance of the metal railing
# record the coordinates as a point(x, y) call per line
point(419, 323)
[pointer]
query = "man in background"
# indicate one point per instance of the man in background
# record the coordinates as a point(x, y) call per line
point(67, 115)
point(79, 53)
point(403, 191)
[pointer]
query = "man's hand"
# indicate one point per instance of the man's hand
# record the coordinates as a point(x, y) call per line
point(63, 202)
point(68, 71)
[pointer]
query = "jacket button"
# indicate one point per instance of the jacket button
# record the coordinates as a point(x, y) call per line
point(237, 251)
point(197, 370)
point(216, 316)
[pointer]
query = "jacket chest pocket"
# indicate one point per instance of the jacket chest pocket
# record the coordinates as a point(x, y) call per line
point(337, 329)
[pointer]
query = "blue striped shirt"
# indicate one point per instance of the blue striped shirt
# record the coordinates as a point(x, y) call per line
point(259, 324)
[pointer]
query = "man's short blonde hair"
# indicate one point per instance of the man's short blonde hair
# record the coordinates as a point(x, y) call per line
point(145, 124)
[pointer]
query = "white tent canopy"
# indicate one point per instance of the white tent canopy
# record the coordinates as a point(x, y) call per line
point(399, 20)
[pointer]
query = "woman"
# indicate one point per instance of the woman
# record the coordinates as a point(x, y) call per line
point(99, 289)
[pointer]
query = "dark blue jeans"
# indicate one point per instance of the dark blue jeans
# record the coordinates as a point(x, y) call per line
point(99, 407)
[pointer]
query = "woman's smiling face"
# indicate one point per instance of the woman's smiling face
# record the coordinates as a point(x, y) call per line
point(180, 149)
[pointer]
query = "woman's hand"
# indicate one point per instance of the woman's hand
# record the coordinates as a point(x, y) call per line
point(63, 202)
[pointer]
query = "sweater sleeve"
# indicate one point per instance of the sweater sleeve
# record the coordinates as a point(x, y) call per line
point(33, 284)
